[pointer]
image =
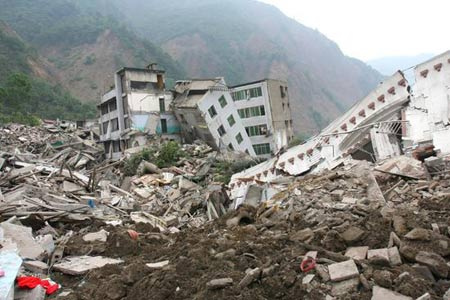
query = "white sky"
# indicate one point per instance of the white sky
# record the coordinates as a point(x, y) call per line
point(371, 29)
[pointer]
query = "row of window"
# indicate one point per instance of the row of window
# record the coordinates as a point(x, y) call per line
point(254, 111)
point(108, 106)
point(256, 130)
point(261, 149)
point(247, 94)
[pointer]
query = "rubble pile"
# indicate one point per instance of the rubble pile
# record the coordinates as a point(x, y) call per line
point(360, 231)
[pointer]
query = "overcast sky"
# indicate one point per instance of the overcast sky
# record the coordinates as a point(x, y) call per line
point(376, 28)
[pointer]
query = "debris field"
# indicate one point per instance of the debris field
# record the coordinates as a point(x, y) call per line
point(359, 231)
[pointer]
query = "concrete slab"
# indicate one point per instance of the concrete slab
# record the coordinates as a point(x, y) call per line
point(379, 293)
point(394, 256)
point(357, 253)
point(343, 270)
point(78, 265)
point(10, 263)
point(382, 254)
point(23, 238)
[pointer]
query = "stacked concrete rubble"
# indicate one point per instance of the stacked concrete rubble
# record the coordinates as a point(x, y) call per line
point(360, 231)
point(52, 180)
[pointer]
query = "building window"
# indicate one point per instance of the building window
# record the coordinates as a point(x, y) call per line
point(261, 149)
point(254, 111)
point(105, 127)
point(114, 125)
point(142, 85)
point(230, 146)
point(247, 94)
point(222, 101)
point(163, 125)
point(126, 122)
point(286, 123)
point(256, 130)
point(221, 130)
point(231, 120)
point(212, 111)
point(116, 146)
point(104, 108)
point(112, 105)
point(125, 105)
point(239, 138)
point(162, 105)
point(282, 91)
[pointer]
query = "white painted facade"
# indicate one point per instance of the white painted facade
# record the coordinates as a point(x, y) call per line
point(277, 111)
point(429, 111)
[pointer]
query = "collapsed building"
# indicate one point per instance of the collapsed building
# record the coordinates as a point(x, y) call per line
point(264, 109)
point(206, 111)
point(137, 105)
point(395, 118)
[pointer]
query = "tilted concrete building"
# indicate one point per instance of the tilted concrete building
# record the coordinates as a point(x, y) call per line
point(394, 118)
point(137, 106)
point(206, 111)
point(264, 109)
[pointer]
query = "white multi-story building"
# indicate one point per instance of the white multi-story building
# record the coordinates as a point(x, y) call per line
point(137, 106)
point(206, 111)
point(265, 113)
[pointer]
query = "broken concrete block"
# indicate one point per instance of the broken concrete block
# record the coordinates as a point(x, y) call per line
point(219, 283)
point(352, 234)
point(337, 195)
point(399, 224)
point(302, 235)
point(78, 265)
point(308, 278)
point(379, 256)
point(185, 185)
point(251, 276)
point(322, 271)
point(99, 236)
point(343, 270)
point(345, 287)
point(435, 228)
point(23, 238)
point(171, 220)
point(379, 293)
point(357, 253)
point(349, 200)
point(424, 272)
point(142, 192)
point(70, 187)
point(46, 242)
point(394, 240)
point(394, 256)
point(312, 254)
point(36, 266)
point(158, 265)
point(438, 266)
point(420, 234)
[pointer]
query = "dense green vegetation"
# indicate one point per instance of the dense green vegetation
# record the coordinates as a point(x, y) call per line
point(23, 98)
point(165, 156)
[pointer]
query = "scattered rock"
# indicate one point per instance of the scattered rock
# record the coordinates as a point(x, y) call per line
point(438, 266)
point(343, 270)
point(219, 283)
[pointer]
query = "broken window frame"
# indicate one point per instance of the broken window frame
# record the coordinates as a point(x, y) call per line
point(262, 149)
point(221, 130)
point(222, 101)
point(239, 138)
point(231, 120)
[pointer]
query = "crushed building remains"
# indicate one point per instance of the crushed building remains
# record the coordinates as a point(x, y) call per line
point(393, 119)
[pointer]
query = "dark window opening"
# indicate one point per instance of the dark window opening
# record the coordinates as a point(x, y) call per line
point(212, 111)
point(160, 81)
point(163, 125)
point(221, 130)
point(162, 105)
point(114, 125)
